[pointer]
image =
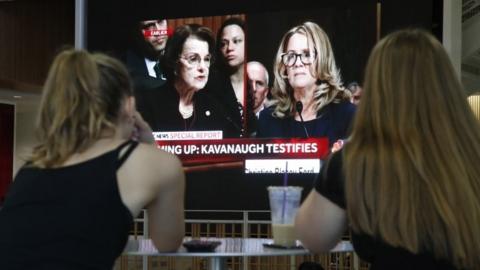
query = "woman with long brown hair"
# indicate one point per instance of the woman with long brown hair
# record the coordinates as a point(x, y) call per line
point(407, 182)
point(72, 204)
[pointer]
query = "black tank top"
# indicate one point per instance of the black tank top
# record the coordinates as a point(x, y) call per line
point(66, 218)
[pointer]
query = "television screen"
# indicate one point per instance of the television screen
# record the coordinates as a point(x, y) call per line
point(228, 93)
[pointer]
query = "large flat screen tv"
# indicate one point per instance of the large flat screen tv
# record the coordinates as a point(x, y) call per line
point(231, 168)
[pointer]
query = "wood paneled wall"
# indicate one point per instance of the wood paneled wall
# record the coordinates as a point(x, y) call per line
point(212, 22)
point(31, 32)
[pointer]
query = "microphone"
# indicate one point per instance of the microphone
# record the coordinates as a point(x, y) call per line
point(299, 108)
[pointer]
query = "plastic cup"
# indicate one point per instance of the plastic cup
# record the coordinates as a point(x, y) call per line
point(284, 204)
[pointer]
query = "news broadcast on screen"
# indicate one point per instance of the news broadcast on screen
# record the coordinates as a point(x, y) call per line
point(208, 104)
point(245, 99)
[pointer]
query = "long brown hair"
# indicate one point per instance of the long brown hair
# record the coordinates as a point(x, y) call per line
point(81, 99)
point(411, 166)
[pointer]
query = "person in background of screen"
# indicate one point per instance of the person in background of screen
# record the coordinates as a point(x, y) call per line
point(148, 40)
point(306, 76)
point(95, 168)
point(227, 79)
point(182, 104)
point(356, 91)
point(407, 181)
point(143, 60)
point(257, 76)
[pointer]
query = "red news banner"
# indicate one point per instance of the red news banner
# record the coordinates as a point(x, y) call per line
point(195, 152)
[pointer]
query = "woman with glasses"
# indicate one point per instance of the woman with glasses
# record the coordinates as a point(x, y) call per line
point(308, 97)
point(180, 104)
point(407, 181)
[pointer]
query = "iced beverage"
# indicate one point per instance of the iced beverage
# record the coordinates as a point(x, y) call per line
point(284, 203)
point(283, 234)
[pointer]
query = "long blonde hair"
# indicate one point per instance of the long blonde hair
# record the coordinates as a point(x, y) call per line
point(81, 99)
point(412, 163)
point(324, 68)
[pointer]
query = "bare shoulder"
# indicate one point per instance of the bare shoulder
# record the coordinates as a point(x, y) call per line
point(151, 154)
point(147, 173)
point(154, 163)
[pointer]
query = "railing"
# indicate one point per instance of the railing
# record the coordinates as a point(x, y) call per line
point(231, 223)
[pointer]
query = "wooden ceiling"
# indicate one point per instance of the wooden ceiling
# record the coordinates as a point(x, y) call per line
point(31, 32)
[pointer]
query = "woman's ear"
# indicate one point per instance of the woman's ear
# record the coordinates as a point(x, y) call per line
point(129, 106)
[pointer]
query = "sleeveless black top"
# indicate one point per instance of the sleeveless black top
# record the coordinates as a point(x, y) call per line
point(66, 218)
point(330, 183)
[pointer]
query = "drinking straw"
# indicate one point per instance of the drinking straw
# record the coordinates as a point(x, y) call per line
point(285, 175)
point(285, 182)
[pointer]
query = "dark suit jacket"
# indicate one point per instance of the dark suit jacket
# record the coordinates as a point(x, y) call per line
point(220, 88)
point(160, 110)
point(143, 83)
point(333, 122)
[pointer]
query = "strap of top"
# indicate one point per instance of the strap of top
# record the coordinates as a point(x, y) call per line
point(131, 145)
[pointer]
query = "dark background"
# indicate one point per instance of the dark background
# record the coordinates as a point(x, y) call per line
point(351, 26)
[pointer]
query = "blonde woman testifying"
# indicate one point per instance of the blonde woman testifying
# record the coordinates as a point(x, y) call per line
point(72, 205)
point(308, 97)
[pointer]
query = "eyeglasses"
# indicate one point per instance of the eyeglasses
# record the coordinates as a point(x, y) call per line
point(195, 60)
point(290, 58)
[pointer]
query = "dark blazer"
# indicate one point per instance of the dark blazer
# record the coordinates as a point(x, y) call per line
point(138, 71)
point(160, 110)
point(333, 122)
point(220, 88)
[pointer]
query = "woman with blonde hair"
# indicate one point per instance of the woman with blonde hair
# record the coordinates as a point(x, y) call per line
point(407, 181)
point(308, 97)
point(72, 204)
